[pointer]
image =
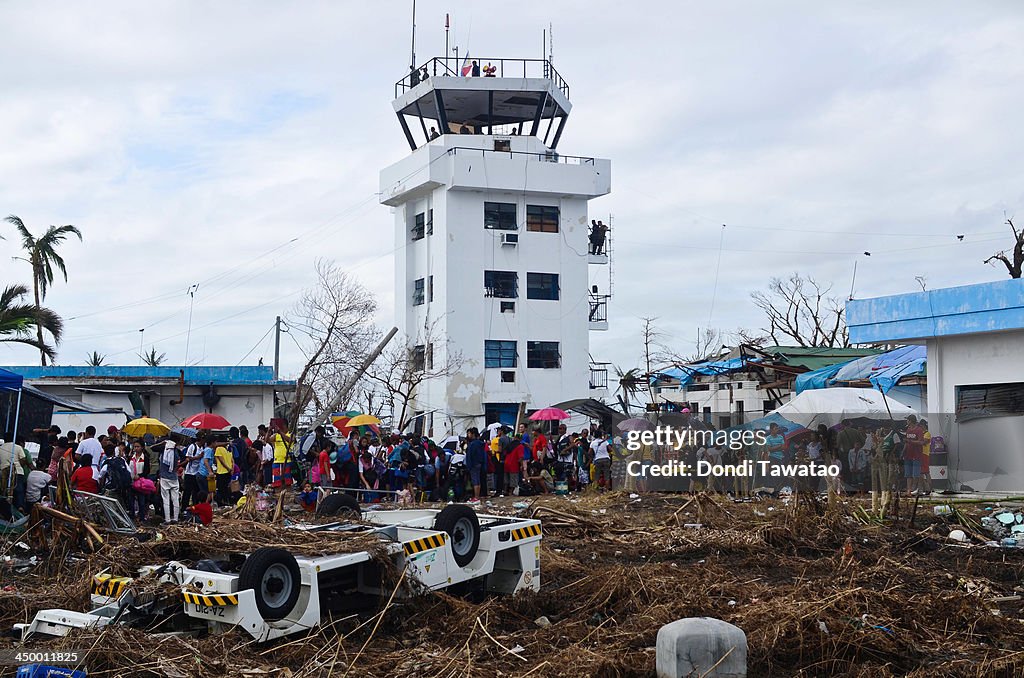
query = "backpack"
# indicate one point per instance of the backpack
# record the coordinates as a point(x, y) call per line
point(118, 476)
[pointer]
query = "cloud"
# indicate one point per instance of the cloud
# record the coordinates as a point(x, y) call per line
point(232, 144)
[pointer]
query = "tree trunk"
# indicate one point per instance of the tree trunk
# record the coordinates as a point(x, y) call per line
point(39, 320)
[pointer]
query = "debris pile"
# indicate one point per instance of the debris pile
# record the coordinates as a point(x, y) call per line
point(815, 594)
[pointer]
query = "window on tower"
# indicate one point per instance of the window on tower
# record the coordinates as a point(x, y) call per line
point(430, 288)
point(418, 358)
point(542, 218)
point(419, 227)
point(498, 353)
point(543, 355)
point(501, 284)
point(417, 292)
point(542, 286)
point(500, 216)
point(430, 222)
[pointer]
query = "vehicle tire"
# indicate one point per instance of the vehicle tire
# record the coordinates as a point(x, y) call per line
point(338, 503)
point(273, 575)
point(463, 528)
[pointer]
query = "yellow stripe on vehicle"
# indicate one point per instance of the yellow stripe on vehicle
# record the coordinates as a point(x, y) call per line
point(106, 585)
point(218, 600)
point(434, 541)
point(526, 532)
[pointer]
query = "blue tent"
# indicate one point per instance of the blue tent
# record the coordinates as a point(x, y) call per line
point(686, 373)
point(9, 381)
point(883, 371)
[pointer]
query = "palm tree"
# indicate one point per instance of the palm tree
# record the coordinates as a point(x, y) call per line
point(95, 359)
point(17, 319)
point(153, 359)
point(41, 254)
point(630, 383)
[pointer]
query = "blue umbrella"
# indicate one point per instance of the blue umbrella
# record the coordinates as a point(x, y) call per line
point(185, 431)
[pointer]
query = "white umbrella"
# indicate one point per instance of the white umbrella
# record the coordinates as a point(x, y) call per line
point(495, 425)
point(830, 406)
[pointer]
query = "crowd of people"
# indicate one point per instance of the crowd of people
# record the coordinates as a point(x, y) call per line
point(154, 479)
point(181, 480)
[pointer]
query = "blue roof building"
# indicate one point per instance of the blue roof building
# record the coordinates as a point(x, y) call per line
point(247, 395)
point(974, 338)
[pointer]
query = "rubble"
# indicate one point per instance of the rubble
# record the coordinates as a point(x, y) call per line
point(822, 594)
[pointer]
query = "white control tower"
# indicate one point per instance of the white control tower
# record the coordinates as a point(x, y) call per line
point(492, 238)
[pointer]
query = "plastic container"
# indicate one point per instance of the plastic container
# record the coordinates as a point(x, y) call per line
point(942, 510)
point(562, 487)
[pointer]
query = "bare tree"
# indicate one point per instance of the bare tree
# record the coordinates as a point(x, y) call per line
point(398, 375)
point(335, 316)
point(800, 310)
point(1014, 267)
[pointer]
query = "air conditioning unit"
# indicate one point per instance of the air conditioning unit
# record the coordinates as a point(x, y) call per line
point(510, 239)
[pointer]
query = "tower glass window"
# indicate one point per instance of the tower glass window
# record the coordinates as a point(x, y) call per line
point(542, 286)
point(418, 358)
point(498, 353)
point(430, 288)
point(543, 355)
point(419, 226)
point(500, 216)
point(542, 218)
point(501, 284)
point(430, 222)
point(417, 292)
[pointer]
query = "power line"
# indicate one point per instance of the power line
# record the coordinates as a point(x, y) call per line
point(258, 342)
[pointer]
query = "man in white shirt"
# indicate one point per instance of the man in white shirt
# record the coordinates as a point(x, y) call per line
point(90, 445)
point(35, 486)
point(601, 447)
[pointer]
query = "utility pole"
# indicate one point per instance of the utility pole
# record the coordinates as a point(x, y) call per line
point(192, 289)
point(447, 25)
point(277, 347)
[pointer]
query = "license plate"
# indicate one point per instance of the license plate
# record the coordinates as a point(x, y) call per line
point(209, 610)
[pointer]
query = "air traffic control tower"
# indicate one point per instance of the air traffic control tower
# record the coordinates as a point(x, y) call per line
point(492, 242)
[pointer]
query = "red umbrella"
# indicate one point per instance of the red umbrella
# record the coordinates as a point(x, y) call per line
point(212, 422)
point(549, 414)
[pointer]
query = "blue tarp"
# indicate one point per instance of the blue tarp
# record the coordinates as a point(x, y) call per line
point(686, 374)
point(883, 371)
point(9, 381)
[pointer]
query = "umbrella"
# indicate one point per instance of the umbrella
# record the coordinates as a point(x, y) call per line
point(184, 432)
point(207, 420)
point(136, 428)
point(364, 420)
point(341, 422)
point(635, 424)
point(549, 414)
point(494, 425)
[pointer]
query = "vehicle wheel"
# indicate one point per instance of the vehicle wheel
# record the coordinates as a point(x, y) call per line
point(338, 503)
point(463, 527)
point(273, 574)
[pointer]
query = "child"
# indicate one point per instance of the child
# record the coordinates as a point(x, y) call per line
point(201, 511)
point(307, 498)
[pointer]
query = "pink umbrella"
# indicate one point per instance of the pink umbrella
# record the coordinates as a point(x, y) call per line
point(549, 414)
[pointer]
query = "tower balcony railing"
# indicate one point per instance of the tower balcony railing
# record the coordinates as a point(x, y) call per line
point(598, 376)
point(450, 67)
point(598, 307)
point(547, 156)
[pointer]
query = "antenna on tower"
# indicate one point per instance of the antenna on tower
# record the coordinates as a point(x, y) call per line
point(551, 44)
point(412, 59)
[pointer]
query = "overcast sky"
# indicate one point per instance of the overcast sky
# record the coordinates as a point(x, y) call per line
point(231, 144)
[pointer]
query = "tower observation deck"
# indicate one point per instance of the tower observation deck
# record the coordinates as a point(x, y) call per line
point(509, 96)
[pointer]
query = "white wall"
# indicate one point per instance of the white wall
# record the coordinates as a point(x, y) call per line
point(979, 447)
